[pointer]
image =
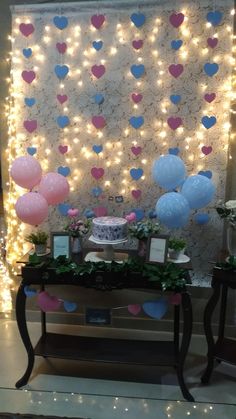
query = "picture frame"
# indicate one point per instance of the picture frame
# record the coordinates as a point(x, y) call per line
point(60, 244)
point(157, 248)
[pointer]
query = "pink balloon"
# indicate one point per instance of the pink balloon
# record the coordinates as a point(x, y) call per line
point(26, 171)
point(32, 208)
point(54, 187)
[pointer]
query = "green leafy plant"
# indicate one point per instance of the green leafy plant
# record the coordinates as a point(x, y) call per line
point(176, 243)
point(39, 237)
point(227, 211)
point(142, 229)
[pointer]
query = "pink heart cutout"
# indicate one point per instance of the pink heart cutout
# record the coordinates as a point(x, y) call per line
point(134, 309)
point(206, 150)
point(73, 212)
point(99, 122)
point(61, 47)
point(137, 44)
point(174, 123)
point(212, 42)
point(97, 20)
point(28, 76)
point(175, 299)
point(26, 28)
point(176, 19)
point(130, 217)
point(62, 98)
point(209, 97)
point(63, 149)
point(30, 126)
point(137, 97)
point(48, 302)
point(136, 193)
point(98, 70)
point(97, 172)
point(136, 150)
point(100, 211)
point(176, 70)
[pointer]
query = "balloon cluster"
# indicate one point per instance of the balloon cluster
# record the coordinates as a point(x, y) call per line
point(173, 208)
point(53, 188)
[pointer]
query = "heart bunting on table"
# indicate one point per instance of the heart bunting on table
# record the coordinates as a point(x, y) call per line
point(156, 309)
point(48, 302)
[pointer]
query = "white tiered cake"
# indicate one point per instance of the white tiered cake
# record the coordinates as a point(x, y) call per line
point(109, 229)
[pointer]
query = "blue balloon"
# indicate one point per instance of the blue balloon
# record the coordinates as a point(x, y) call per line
point(198, 190)
point(169, 171)
point(172, 210)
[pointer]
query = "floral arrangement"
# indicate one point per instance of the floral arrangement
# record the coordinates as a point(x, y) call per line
point(227, 211)
point(142, 229)
point(78, 227)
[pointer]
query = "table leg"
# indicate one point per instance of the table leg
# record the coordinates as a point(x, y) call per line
point(22, 327)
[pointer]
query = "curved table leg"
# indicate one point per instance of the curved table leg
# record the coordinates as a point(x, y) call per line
point(210, 307)
point(22, 326)
point(187, 332)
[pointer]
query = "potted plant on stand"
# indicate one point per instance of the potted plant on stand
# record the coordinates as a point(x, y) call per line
point(176, 246)
point(39, 240)
point(141, 230)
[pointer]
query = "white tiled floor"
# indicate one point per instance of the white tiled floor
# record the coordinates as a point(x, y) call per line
point(55, 389)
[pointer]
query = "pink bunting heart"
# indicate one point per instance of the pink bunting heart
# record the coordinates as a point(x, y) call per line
point(206, 150)
point(73, 212)
point(26, 28)
point(136, 193)
point(62, 98)
point(63, 149)
point(98, 70)
point(30, 126)
point(48, 302)
point(99, 122)
point(174, 123)
point(130, 217)
point(97, 20)
point(100, 211)
point(136, 150)
point(212, 42)
point(134, 309)
point(176, 70)
point(97, 172)
point(137, 44)
point(209, 97)
point(61, 47)
point(28, 76)
point(175, 299)
point(176, 19)
point(137, 97)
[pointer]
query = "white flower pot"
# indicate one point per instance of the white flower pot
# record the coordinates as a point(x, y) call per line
point(40, 249)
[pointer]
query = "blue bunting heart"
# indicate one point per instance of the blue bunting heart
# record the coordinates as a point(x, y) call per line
point(29, 292)
point(175, 99)
point(211, 69)
point(202, 218)
point(175, 151)
point(64, 208)
point(138, 19)
point(176, 44)
point(136, 121)
point(97, 45)
point(63, 170)
point(208, 121)
point(69, 306)
point(63, 121)
point(136, 174)
point(214, 17)
point(156, 309)
point(98, 98)
point(137, 70)
point(27, 52)
point(206, 173)
point(61, 71)
point(97, 191)
point(139, 213)
point(30, 101)
point(152, 214)
point(97, 148)
point(31, 150)
point(61, 22)
point(88, 213)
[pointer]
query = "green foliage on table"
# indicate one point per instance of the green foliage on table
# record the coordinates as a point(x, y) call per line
point(142, 229)
point(229, 265)
point(39, 237)
point(176, 243)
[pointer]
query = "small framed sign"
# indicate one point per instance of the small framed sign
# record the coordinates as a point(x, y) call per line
point(98, 316)
point(60, 244)
point(157, 248)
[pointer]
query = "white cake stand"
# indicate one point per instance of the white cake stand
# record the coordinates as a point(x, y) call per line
point(108, 255)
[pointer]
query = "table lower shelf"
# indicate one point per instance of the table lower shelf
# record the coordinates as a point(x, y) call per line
point(123, 351)
point(226, 350)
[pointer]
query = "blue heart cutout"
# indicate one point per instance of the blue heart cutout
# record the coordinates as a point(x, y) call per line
point(63, 121)
point(208, 121)
point(155, 309)
point(136, 121)
point(136, 174)
point(61, 22)
point(97, 191)
point(63, 170)
point(175, 151)
point(97, 148)
point(152, 214)
point(214, 17)
point(176, 44)
point(98, 98)
point(97, 45)
point(27, 52)
point(138, 19)
point(202, 218)
point(64, 208)
point(31, 150)
point(61, 71)
point(175, 99)
point(69, 306)
point(206, 173)
point(30, 101)
point(137, 70)
point(29, 292)
point(88, 213)
point(139, 213)
point(211, 69)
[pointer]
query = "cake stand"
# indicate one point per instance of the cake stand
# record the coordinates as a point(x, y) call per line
point(108, 255)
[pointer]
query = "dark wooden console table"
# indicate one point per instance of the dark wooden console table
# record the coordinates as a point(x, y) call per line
point(223, 349)
point(99, 349)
